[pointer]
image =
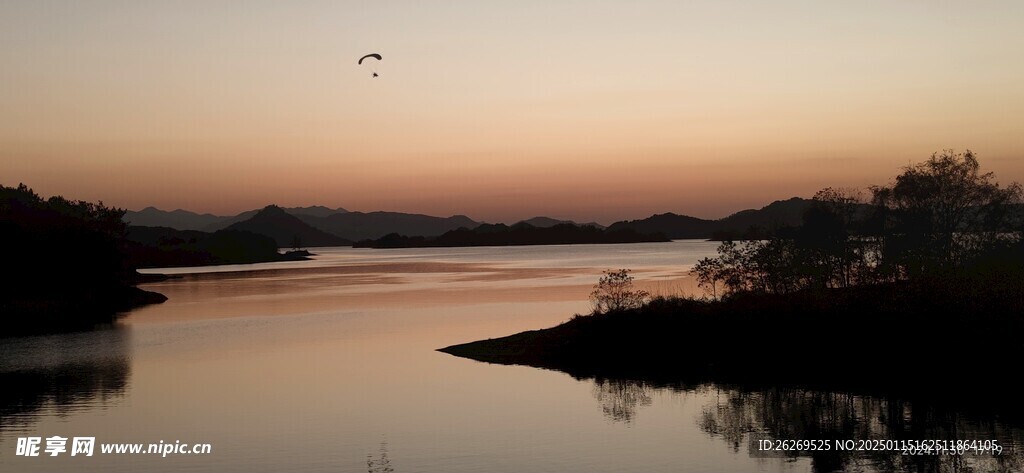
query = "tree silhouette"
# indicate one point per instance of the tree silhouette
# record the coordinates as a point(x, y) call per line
point(614, 292)
point(939, 213)
point(938, 218)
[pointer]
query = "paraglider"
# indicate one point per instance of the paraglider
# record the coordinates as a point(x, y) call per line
point(374, 55)
point(373, 62)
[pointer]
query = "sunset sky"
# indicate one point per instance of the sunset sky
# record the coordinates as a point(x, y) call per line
point(500, 110)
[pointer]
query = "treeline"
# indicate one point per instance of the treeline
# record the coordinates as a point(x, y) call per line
point(518, 234)
point(150, 247)
point(940, 220)
point(72, 264)
point(65, 263)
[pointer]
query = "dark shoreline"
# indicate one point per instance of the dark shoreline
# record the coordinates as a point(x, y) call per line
point(76, 312)
point(886, 341)
point(53, 314)
point(297, 255)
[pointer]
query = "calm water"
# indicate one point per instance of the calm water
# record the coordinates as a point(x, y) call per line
point(323, 365)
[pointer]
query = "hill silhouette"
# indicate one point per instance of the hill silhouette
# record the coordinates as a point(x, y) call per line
point(287, 229)
point(786, 212)
point(153, 247)
point(338, 222)
point(186, 220)
point(357, 226)
point(672, 225)
point(303, 213)
point(314, 211)
point(544, 222)
point(778, 214)
point(176, 219)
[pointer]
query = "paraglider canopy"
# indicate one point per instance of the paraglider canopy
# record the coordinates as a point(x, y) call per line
point(374, 55)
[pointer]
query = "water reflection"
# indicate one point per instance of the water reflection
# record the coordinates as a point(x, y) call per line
point(620, 400)
point(61, 374)
point(381, 464)
point(742, 417)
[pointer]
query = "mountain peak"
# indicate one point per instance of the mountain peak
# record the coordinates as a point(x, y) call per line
point(286, 229)
point(271, 209)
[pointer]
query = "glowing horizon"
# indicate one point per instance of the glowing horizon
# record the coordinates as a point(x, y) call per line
point(580, 110)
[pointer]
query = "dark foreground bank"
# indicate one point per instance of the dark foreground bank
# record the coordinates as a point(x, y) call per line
point(71, 265)
point(957, 340)
point(66, 265)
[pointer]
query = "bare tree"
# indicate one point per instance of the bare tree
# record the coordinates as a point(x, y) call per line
point(709, 272)
point(614, 291)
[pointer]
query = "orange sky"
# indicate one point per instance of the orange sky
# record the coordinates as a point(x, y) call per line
point(591, 110)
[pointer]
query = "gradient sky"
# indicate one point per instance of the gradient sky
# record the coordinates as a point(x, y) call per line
point(500, 110)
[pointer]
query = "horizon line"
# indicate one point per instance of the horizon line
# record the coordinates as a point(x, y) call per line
point(481, 221)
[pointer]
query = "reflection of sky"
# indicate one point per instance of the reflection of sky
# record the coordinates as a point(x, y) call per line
point(52, 351)
point(347, 278)
point(60, 374)
point(308, 368)
point(679, 254)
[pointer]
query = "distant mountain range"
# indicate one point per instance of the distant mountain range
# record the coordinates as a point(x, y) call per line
point(323, 226)
point(176, 219)
point(185, 220)
point(353, 226)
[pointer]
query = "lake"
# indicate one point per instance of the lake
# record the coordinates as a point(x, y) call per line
point(329, 365)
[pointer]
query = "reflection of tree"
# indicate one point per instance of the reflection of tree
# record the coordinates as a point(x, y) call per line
point(381, 464)
point(620, 399)
point(727, 420)
point(62, 373)
point(794, 414)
